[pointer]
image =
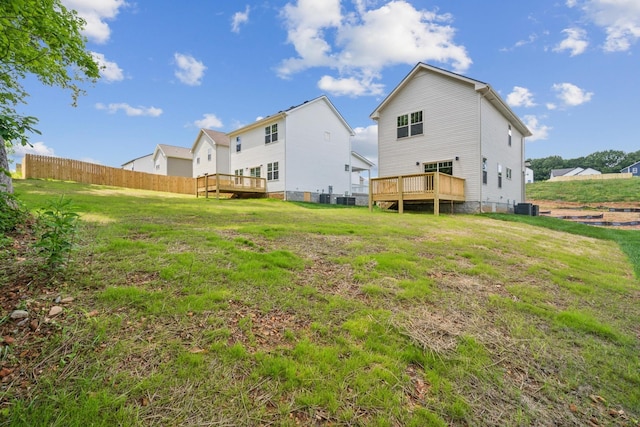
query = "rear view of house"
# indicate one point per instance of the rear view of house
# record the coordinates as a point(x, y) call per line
point(303, 152)
point(172, 161)
point(210, 153)
point(457, 131)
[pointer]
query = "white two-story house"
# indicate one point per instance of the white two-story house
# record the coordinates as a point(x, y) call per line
point(303, 152)
point(210, 153)
point(439, 121)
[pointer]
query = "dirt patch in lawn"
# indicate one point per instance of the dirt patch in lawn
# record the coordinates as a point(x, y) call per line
point(573, 209)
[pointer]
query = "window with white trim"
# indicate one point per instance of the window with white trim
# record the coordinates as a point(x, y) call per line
point(443, 167)
point(238, 144)
point(509, 173)
point(409, 125)
point(271, 133)
point(209, 154)
point(509, 135)
point(273, 171)
point(197, 161)
point(499, 175)
point(255, 172)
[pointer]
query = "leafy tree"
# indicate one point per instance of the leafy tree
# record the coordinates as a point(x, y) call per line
point(40, 38)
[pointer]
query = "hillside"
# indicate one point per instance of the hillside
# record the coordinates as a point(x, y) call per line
point(615, 201)
point(185, 311)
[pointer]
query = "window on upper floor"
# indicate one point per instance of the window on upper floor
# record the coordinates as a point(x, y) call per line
point(410, 125)
point(273, 171)
point(509, 173)
point(271, 133)
point(197, 161)
point(509, 135)
point(209, 154)
point(499, 175)
point(238, 144)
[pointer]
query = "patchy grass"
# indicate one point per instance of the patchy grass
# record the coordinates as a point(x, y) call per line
point(253, 312)
point(587, 191)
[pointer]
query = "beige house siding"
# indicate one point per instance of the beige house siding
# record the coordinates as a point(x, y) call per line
point(495, 148)
point(464, 121)
point(451, 123)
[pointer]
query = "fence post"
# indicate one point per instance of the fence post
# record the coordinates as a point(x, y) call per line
point(400, 194)
point(436, 193)
point(218, 186)
point(370, 195)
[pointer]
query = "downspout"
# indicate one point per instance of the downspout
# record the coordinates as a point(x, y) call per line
point(286, 137)
point(480, 148)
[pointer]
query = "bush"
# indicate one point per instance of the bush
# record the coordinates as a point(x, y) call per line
point(58, 225)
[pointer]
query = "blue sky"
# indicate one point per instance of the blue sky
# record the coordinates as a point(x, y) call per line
point(568, 68)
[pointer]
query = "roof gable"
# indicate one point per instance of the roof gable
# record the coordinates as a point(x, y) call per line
point(215, 137)
point(480, 87)
point(172, 151)
point(291, 110)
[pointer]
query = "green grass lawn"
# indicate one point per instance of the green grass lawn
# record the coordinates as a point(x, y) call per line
point(587, 191)
point(260, 312)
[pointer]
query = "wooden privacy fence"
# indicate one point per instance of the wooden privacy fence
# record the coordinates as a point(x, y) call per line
point(625, 175)
point(45, 167)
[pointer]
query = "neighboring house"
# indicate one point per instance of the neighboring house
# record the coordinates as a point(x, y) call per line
point(170, 160)
point(439, 121)
point(528, 175)
point(140, 164)
point(210, 153)
point(633, 169)
point(555, 173)
point(360, 164)
point(302, 152)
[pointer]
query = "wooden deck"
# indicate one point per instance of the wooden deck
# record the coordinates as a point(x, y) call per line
point(230, 184)
point(433, 186)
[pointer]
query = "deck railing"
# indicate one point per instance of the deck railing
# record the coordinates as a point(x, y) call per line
point(223, 183)
point(434, 186)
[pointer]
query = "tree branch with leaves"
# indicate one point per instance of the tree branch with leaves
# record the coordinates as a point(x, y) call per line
point(40, 38)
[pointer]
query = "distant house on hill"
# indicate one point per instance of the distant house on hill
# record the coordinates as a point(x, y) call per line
point(140, 164)
point(557, 173)
point(528, 175)
point(170, 160)
point(633, 169)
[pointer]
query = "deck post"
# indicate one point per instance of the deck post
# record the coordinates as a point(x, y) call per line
point(206, 186)
point(400, 195)
point(436, 193)
point(218, 186)
point(370, 196)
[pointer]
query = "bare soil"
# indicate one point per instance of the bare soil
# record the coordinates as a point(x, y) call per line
point(561, 209)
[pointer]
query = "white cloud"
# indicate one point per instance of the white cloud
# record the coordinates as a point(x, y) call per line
point(571, 95)
point(365, 142)
point(209, 121)
point(129, 110)
point(520, 97)
point(190, 71)
point(96, 13)
point(358, 45)
point(620, 20)
point(239, 18)
point(110, 71)
point(349, 86)
point(38, 148)
point(539, 131)
point(576, 41)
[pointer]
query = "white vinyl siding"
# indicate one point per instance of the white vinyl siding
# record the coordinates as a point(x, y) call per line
point(450, 113)
point(494, 132)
